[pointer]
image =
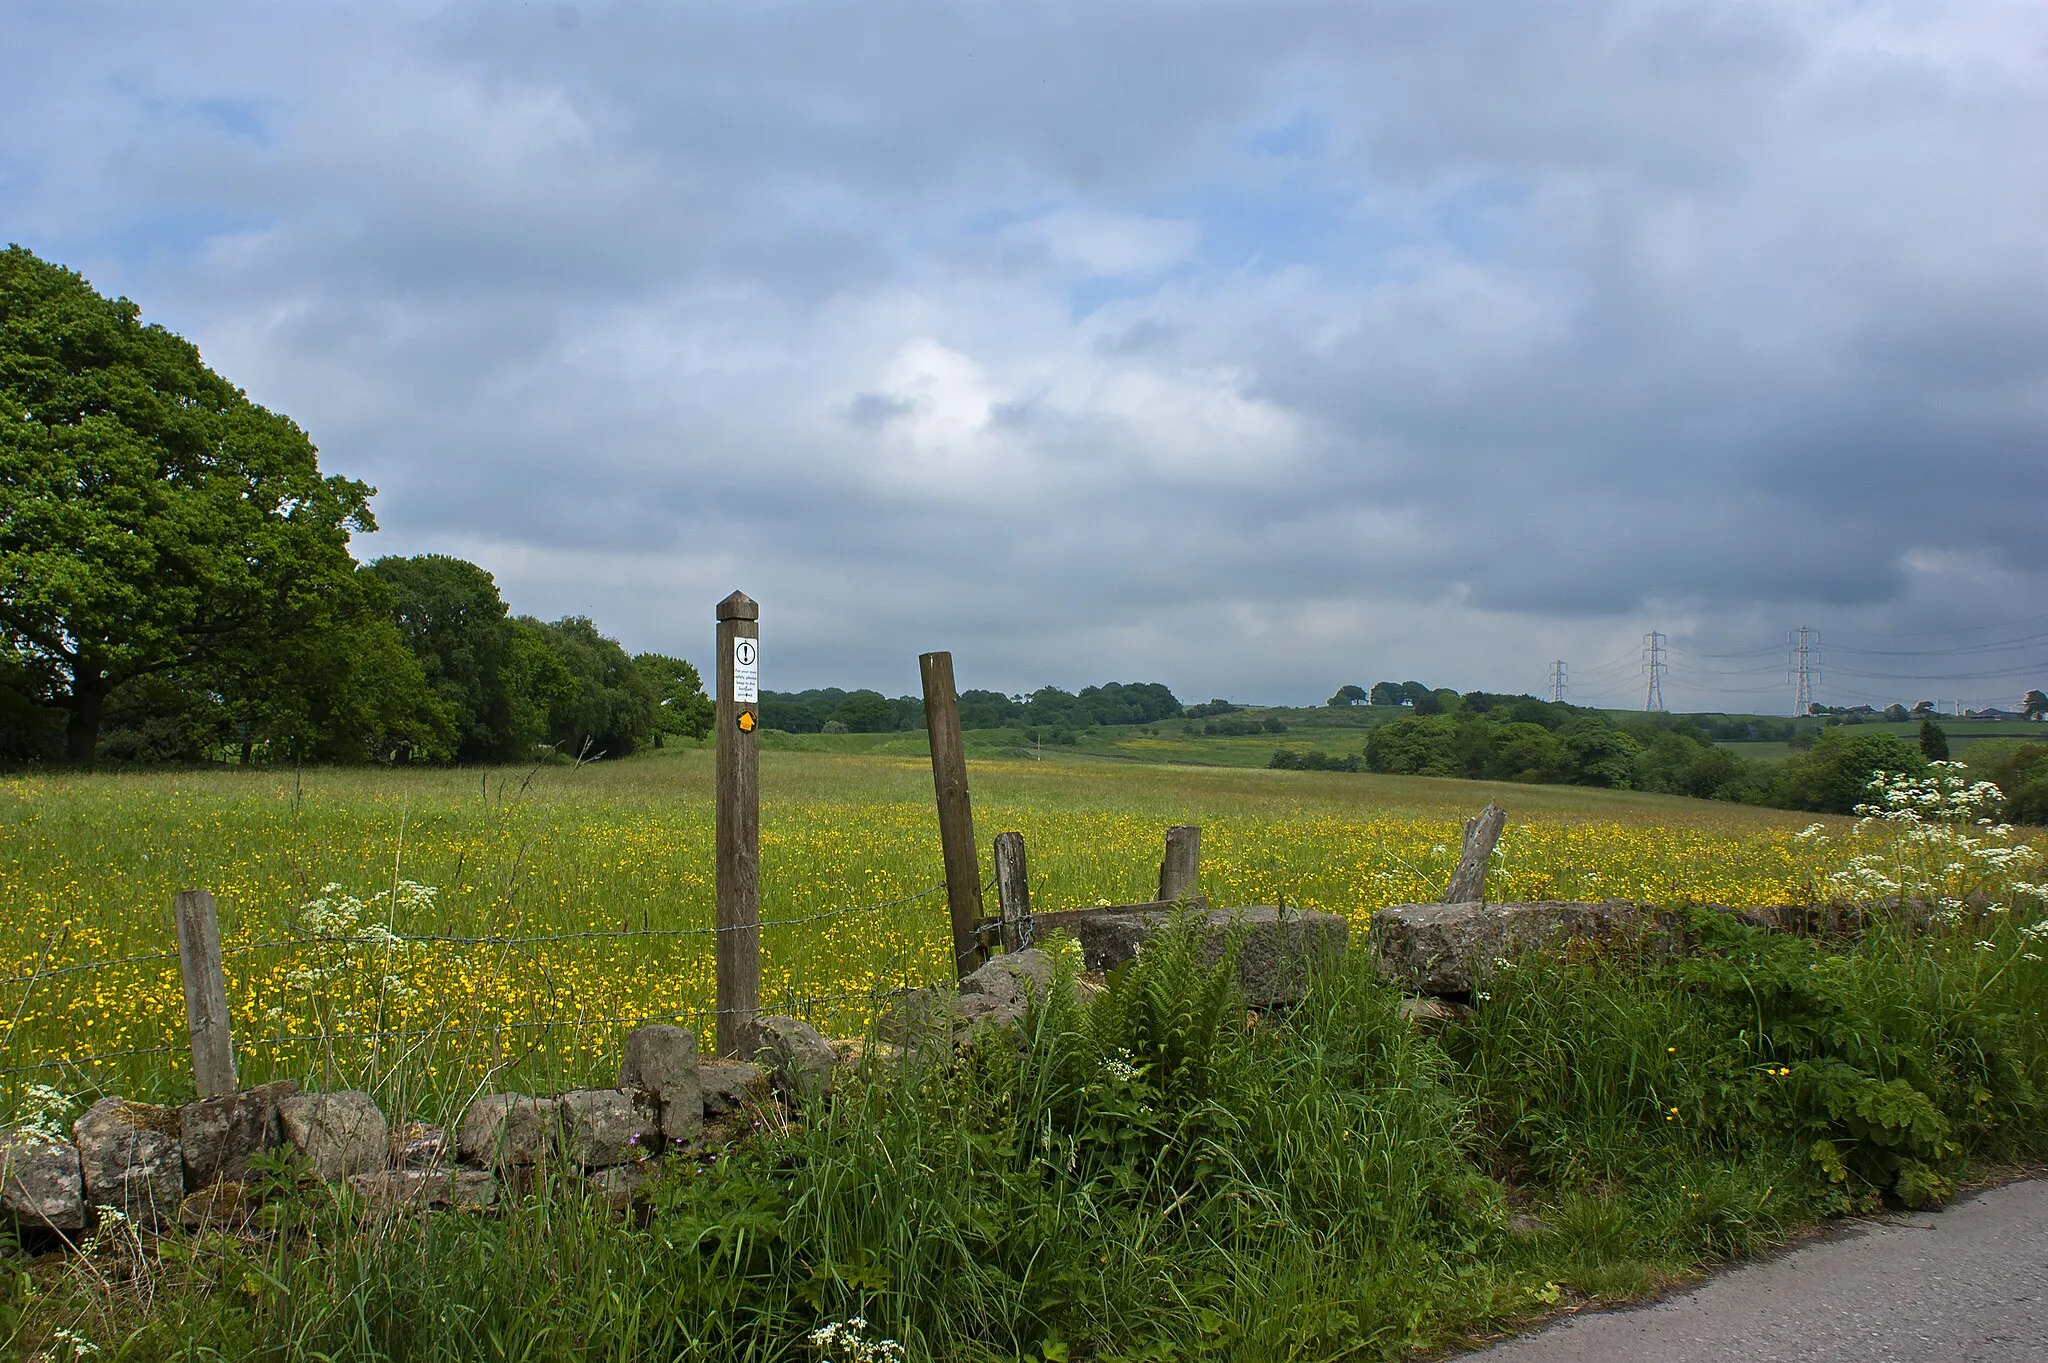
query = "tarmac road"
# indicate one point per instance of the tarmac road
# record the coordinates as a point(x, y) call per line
point(1964, 1285)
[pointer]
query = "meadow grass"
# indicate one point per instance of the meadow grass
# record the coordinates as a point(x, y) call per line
point(1151, 1177)
point(89, 863)
point(1155, 1175)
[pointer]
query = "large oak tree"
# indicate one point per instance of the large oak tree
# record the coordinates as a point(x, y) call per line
point(152, 517)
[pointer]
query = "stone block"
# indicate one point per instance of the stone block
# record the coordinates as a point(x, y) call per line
point(732, 1085)
point(41, 1186)
point(217, 1137)
point(801, 1060)
point(337, 1134)
point(1451, 949)
point(661, 1061)
point(915, 1017)
point(508, 1130)
point(618, 1185)
point(998, 993)
point(1428, 1014)
point(420, 1145)
point(1280, 950)
point(606, 1127)
point(128, 1157)
point(219, 1205)
point(392, 1190)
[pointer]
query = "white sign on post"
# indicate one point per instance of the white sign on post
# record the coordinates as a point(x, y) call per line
point(746, 671)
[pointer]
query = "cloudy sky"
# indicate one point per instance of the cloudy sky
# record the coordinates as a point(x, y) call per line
point(1251, 347)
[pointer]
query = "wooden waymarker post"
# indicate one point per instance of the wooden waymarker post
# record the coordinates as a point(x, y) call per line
point(956, 813)
point(1013, 890)
point(1183, 863)
point(1468, 883)
point(739, 823)
point(206, 993)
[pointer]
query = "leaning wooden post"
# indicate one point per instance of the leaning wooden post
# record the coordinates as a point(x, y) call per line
point(956, 813)
point(1183, 864)
point(1468, 883)
point(206, 993)
point(739, 823)
point(1013, 891)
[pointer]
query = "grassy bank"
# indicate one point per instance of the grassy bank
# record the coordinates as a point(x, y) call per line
point(1152, 1177)
point(88, 865)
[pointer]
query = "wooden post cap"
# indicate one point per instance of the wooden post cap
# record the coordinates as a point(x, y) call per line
point(739, 606)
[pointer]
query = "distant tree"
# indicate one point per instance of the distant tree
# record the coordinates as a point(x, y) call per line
point(456, 624)
point(1601, 755)
point(539, 687)
point(610, 708)
point(680, 708)
point(1425, 701)
point(1414, 745)
point(152, 518)
point(1920, 708)
point(1933, 741)
point(1528, 752)
point(2036, 705)
point(1387, 693)
point(1834, 775)
point(866, 712)
point(1895, 713)
point(1349, 695)
point(347, 688)
point(1128, 703)
point(987, 710)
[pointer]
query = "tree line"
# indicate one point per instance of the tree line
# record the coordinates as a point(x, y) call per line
point(1487, 736)
point(176, 585)
point(831, 710)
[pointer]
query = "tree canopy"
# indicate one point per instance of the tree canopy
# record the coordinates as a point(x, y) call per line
point(152, 517)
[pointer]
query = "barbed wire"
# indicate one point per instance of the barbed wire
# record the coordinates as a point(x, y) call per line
point(452, 939)
point(54, 971)
point(805, 1003)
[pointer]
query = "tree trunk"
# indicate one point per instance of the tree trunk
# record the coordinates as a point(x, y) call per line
point(88, 704)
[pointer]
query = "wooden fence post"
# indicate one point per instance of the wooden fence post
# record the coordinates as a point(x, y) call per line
point(1468, 883)
point(1183, 864)
point(1013, 890)
point(206, 993)
point(956, 813)
point(739, 823)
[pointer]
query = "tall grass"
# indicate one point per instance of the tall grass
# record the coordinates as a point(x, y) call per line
point(88, 865)
point(1154, 1174)
point(1151, 1173)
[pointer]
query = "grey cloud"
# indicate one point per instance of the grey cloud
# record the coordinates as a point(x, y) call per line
point(1609, 313)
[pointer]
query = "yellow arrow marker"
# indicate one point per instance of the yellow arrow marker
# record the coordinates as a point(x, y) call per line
point(746, 721)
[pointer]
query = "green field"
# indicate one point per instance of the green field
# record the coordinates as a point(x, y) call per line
point(1963, 735)
point(1155, 1175)
point(88, 865)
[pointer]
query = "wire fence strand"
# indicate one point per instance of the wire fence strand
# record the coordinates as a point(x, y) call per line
point(492, 939)
point(803, 1003)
